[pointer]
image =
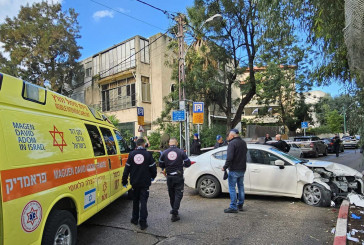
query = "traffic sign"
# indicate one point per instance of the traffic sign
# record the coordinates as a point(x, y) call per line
point(140, 111)
point(141, 129)
point(178, 116)
point(197, 118)
point(304, 124)
point(140, 120)
point(198, 107)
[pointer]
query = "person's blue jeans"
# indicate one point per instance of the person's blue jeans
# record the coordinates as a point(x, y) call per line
point(236, 178)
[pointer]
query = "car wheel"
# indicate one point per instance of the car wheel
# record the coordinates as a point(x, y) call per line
point(316, 195)
point(60, 228)
point(208, 186)
point(316, 154)
point(325, 153)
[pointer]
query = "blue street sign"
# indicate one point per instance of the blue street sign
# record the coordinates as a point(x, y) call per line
point(304, 124)
point(178, 116)
point(198, 107)
point(140, 111)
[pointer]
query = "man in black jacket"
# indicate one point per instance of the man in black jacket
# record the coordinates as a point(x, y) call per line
point(196, 145)
point(281, 144)
point(173, 160)
point(142, 169)
point(236, 164)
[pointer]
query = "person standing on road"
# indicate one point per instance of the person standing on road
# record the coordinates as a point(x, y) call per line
point(173, 160)
point(336, 140)
point(281, 144)
point(236, 164)
point(142, 170)
point(219, 142)
point(267, 138)
point(196, 145)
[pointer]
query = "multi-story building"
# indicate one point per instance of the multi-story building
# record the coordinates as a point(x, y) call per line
point(130, 74)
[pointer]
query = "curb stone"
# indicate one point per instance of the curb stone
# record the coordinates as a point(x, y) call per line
point(342, 223)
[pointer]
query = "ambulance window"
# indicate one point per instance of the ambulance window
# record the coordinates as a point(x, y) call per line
point(95, 113)
point(96, 140)
point(121, 142)
point(34, 93)
point(109, 141)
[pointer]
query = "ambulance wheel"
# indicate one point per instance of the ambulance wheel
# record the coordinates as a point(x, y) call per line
point(60, 228)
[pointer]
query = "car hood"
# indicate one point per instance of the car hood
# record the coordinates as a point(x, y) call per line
point(336, 168)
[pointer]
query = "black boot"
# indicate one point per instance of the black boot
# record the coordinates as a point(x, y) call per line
point(175, 217)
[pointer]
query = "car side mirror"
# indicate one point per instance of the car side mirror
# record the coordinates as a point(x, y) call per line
point(279, 163)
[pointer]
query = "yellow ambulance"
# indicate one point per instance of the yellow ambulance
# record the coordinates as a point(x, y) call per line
point(60, 163)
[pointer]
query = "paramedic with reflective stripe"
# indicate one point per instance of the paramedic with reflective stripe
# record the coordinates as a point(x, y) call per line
point(173, 160)
point(142, 170)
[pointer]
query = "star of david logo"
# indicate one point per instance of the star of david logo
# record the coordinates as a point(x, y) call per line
point(55, 142)
point(32, 216)
point(104, 187)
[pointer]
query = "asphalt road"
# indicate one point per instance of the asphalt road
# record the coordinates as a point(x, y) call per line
point(350, 157)
point(266, 220)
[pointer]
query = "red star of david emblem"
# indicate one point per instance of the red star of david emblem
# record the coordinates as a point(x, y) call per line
point(32, 216)
point(104, 187)
point(55, 142)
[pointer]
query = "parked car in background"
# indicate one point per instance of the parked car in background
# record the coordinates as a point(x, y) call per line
point(311, 145)
point(294, 150)
point(274, 173)
point(330, 145)
point(350, 142)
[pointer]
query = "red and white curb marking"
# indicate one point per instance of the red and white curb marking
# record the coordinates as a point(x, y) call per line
point(342, 224)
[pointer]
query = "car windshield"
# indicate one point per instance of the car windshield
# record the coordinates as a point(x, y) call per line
point(290, 157)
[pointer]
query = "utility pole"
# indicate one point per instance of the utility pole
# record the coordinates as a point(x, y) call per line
point(181, 79)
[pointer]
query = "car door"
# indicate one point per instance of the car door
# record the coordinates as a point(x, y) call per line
point(101, 165)
point(218, 160)
point(266, 178)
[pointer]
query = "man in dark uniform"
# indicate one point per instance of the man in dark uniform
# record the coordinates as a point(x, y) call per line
point(281, 144)
point(336, 141)
point(219, 142)
point(173, 160)
point(142, 169)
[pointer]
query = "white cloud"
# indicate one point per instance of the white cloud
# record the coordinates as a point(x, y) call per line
point(122, 10)
point(10, 8)
point(102, 14)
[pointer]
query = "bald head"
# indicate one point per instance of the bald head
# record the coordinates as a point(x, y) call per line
point(278, 137)
point(173, 141)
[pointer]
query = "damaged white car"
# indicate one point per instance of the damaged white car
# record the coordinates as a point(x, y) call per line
point(274, 173)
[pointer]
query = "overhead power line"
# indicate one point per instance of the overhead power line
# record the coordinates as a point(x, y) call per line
point(132, 17)
point(152, 6)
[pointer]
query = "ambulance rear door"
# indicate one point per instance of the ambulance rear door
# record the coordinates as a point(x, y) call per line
point(101, 165)
point(114, 161)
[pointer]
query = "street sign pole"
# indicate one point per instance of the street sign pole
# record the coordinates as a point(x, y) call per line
point(304, 132)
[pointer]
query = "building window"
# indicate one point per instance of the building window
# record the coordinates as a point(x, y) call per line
point(145, 89)
point(117, 59)
point(88, 72)
point(118, 95)
point(144, 51)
